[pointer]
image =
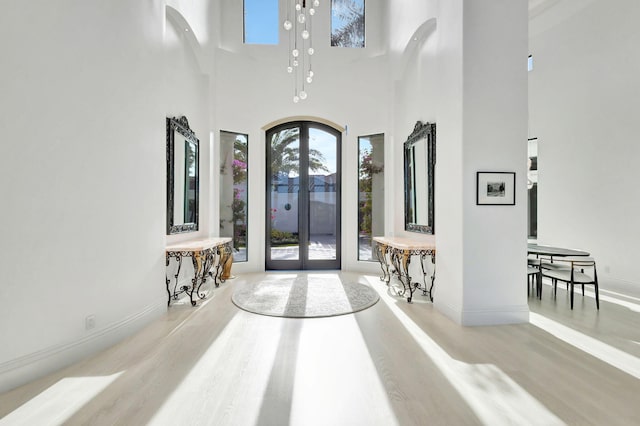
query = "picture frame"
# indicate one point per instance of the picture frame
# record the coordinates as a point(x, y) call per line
point(495, 188)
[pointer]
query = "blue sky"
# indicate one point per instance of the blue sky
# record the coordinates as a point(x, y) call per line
point(261, 21)
point(262, 25)
point(326, 143)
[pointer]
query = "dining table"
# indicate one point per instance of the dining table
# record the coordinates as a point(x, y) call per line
point(551, 251)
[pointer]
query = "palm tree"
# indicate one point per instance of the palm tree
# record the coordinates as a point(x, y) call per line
point(285, 158)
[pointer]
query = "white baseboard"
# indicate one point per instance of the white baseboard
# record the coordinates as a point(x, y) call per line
point(448, 311)
point(517, 314)
point(501, 315)
point(24, 369)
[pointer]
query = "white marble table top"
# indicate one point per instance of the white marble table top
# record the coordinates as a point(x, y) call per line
point(198, 245)
point(426, 242)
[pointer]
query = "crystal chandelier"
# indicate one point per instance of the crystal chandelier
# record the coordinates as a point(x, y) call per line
point(298, 25)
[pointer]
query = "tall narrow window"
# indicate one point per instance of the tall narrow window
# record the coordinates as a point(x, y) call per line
point(347, 23)
point(532, 186)
point(261, 22)
point(233, 191)
point(371, 193)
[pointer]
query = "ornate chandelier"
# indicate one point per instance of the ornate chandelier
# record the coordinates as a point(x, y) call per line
point(298, 25)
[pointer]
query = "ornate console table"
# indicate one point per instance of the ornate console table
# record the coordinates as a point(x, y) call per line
point(394, 255)
point(207, 255)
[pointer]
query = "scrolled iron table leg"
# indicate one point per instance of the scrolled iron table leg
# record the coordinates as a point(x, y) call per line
point(178, 257)
point(197, 275)
point(433, 275)
point(395, 258)
point(387, 268)
point(217, 278)
point(381, 254)
point(424, 275)
point(206, 269)
point(174, 295)
point(227, 262)
point(167, 280)
point(406, 261)
point(427, 290)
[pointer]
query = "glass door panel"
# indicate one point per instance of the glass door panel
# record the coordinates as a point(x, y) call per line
point(285, 187)
point(303, 197)
point(323, 221)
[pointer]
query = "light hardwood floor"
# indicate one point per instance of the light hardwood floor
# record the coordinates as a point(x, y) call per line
point(392, 364)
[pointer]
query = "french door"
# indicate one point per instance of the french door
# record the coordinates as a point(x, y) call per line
point(303, 196)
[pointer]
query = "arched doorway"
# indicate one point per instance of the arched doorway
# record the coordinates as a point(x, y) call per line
point(303, 196)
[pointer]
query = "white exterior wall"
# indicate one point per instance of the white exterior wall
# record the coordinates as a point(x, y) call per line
point(287, 220)
point(584, 103)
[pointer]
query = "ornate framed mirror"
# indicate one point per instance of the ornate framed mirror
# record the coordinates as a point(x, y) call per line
point(419, 178)
point(182, 177)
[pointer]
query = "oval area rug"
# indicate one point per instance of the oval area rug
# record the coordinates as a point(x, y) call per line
point(303, 296)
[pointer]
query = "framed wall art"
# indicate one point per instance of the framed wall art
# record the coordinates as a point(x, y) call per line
point(495, 188)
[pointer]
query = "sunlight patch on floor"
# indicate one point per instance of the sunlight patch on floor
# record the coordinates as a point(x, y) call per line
point(208, 385)
point(59, 402)
point(319, 283)
point(346, 381)
point(620, 300)
point(492, 395)
point(626, 296)
point(612, 356)
point(635, 307)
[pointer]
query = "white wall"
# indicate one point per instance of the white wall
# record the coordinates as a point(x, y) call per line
point(253, 90)
point(494, 139)
point(82, 161)
point(416, 99)
point(460, 67)
point(186, 93)
point(584, 103)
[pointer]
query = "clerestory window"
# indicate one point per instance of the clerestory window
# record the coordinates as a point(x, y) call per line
point(261, 22)
point(347, 23)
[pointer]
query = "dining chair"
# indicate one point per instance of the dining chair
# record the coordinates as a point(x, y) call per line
point(549, 263)
point(534, 276)
point(577, 270)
